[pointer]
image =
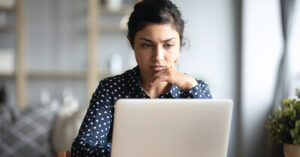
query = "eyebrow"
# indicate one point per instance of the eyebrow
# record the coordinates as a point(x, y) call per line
point(148, 40)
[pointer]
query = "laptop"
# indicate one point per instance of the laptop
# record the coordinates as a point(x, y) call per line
point(171, 128)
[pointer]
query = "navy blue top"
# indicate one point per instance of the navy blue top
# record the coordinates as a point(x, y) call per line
point(95, 133)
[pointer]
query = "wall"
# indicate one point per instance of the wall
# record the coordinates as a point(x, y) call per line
point(261, 52)
point(56, 33)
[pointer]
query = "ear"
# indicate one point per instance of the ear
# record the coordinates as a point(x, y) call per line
point(128, 38)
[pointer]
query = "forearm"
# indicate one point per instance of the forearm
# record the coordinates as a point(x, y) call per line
point(200, 90)
point(186, 82)
point(83, 147)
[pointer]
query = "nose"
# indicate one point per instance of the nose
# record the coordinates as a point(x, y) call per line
point(158, 54)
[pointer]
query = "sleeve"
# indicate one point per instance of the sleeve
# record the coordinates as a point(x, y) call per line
point(200, 91)
point(92, 139)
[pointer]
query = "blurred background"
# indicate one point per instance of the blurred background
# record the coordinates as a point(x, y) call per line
point(53, 53)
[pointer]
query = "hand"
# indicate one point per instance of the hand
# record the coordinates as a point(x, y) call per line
point(171, 75)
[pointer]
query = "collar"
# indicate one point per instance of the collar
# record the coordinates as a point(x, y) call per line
point(135, 82)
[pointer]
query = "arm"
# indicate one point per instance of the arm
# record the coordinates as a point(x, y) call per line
point(192, 88)
point(95, 128)
point(200, 90)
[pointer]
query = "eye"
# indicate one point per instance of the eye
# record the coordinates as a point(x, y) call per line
point(169, 45)
point(145, 45)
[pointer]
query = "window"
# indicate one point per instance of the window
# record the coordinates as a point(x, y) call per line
point(295, 48)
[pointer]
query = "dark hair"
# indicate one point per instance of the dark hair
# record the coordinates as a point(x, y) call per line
point(154, 11)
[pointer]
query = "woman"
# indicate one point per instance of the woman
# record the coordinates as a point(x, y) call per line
point(155, 32)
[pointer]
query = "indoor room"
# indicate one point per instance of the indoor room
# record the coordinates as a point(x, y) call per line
point(54, 53)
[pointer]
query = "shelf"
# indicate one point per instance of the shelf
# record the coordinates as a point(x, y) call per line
point(4, 8)
point(7, 75)
point(63, 75)
point(6, 28)
point(57, 75)
point(90, 74)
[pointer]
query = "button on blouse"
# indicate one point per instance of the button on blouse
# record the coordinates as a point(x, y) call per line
point(95, 133)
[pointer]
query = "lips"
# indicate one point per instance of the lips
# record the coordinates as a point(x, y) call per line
point(157, 68)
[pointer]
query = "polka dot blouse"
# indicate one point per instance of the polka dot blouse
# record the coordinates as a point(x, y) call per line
point(95, 133)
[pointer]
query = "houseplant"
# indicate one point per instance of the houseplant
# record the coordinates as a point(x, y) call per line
point(284, 125)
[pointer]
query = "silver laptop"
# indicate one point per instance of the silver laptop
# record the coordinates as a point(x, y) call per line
point(171, 128)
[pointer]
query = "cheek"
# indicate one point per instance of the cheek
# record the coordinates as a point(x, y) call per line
point(137, 57)
point(174, 57)
point(140, 56)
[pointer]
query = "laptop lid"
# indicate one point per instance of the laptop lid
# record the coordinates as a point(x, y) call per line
point(171, 128)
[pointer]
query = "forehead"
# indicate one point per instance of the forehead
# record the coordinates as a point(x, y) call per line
point(158, 31)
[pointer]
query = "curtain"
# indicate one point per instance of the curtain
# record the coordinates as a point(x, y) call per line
point(282, 86)
point(283, 81)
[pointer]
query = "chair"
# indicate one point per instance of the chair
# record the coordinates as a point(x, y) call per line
point(64, 154)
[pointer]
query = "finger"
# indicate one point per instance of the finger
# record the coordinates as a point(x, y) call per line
point(158, 77)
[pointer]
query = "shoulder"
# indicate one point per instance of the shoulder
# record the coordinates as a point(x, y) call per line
point(117, 79)
point(118, 82)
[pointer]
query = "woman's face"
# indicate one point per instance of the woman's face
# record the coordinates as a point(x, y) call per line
point(156, 47)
